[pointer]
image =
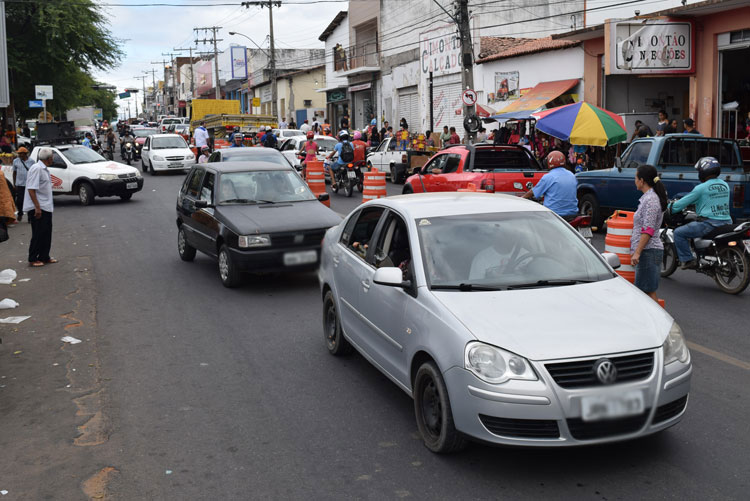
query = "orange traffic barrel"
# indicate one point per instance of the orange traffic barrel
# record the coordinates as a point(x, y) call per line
point(220, 144)
point(619, 230)
point(469, 187)
point(374, 186)
point(316, 179)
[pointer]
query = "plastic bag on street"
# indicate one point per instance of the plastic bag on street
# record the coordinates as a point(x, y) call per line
point(7, 304)
point(7, 276)
point(71, 340)
point(13, 320)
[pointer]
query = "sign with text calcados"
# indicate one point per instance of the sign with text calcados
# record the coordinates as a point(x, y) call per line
point(440, 51)
point(652, 46)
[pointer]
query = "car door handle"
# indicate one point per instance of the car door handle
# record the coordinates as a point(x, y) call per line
point(336, 260)
point(366, 284)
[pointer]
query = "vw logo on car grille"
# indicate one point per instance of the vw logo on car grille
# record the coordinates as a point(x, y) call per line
point(299, 238)
point(605, 371)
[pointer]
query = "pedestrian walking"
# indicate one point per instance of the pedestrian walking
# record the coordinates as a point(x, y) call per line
point(7, 210)
point(201, 138)
point(646, 247)
point(21, 166)
point(38, 206)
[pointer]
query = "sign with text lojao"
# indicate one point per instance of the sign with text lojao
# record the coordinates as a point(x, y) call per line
point(440, 50)
point(651, 46)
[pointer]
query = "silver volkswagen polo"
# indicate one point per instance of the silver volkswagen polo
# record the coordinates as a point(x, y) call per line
point(502, 323)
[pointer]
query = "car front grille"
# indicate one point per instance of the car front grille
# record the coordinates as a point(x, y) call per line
point(521, 428)
point(297, 238)
point(580, 374)
point(174, 159)
point(589, 430)
point(670, 410)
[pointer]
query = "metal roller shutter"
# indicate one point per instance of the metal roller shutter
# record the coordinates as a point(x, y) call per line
point(408, 108)
point(447, 100)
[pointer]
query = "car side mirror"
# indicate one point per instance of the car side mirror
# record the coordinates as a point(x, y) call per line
point(323, 197)
point(612, 259)
point(416, 170)
point(59, 165)
point(391, 277)
point(202, 204)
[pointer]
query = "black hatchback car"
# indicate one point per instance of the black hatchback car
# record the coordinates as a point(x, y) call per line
point(252, 216)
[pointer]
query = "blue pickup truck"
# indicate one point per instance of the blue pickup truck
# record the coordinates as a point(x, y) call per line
point(600, 192)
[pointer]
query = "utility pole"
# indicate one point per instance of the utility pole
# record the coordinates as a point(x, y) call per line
point(213, 40)
point(467, 54)
point(164, 90)
point(172, 75)
point(272, 62)
point(153, 87)
point(143, 80)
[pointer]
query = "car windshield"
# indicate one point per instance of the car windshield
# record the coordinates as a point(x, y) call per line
point(258, 187)
point(254, 154)
point(163, 143)
point(325, 144)
point(144, 132)
point(504, 251)
point(82, 155)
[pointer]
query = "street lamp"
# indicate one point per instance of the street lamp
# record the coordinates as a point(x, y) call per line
point(258, 46)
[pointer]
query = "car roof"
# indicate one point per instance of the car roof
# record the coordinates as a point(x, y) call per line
point(246, 166)
point(168, 135)
point(247, 151)
point(457, 203)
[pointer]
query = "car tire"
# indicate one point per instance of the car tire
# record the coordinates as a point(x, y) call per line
point(589, 206)
point(144, 169)
point(184, 249)
point(86, 194)
point(433, 411)
point(228, 273)
point(408, 190)
point(394, 177)
point(334, 337)
point(126, 197)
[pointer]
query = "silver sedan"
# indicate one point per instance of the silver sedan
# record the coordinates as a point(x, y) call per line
point(501, 322)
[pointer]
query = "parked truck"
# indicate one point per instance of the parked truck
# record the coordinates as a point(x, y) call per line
point(396, 163)
point(600, 192)
point(202, 108)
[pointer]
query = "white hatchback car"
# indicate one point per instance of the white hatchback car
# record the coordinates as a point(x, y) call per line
point(501, 322)
point(291, 146)
point(166, 152)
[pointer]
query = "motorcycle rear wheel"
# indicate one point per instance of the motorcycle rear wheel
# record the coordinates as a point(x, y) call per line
point(669, 262)
point(348, 188)
point(734, 276)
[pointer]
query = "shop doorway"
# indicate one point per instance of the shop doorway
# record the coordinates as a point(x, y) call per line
point(734, 92)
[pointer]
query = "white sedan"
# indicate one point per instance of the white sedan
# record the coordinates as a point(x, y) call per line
point(501, 322)
point(291, 146)
point(166, 152)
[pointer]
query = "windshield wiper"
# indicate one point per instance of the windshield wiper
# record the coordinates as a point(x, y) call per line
point(247, 201)
point(464, 287)
point(549, 283)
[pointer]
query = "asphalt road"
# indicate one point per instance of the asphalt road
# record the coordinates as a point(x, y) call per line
point(212, 393)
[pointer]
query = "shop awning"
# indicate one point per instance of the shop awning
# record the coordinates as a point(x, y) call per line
point(535, 99)
point(484, 111)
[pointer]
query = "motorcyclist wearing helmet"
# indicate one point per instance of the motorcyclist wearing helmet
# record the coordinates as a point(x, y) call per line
point(235, 130)
point(360, 147)
point(310, 150)
point(87, 140)
point(711, 199)
point(343, 138)
point(558, 187)
point(237, 140)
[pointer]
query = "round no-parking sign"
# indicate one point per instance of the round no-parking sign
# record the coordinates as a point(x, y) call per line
point(469, 97)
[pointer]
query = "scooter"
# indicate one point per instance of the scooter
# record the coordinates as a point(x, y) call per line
point(723, 254)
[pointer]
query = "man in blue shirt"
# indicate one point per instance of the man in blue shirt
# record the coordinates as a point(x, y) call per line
point(558, 187)
point(711, 199)
point(343, 138)
point(87, 140)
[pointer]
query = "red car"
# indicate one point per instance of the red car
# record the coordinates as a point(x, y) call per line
point(506, 169)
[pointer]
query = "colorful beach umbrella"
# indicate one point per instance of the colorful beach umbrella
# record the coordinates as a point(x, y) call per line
point(582, 123)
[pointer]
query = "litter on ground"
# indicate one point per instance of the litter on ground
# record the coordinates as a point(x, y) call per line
point(14, 320)
point(70, 339)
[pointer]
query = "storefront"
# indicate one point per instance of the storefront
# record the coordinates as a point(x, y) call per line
point(337, 104)
point(363, 104)
point(734, 83)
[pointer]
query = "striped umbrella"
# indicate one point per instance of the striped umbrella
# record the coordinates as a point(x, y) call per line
point(582, 123)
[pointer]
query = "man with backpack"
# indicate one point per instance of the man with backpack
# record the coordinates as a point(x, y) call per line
point(269, 139)
point(346, 154)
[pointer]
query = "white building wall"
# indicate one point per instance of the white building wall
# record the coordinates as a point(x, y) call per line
point(339, 35)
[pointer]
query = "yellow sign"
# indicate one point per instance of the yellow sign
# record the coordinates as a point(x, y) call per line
point(48, 118)
point(256, 101)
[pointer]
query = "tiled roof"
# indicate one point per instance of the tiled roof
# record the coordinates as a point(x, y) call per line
point(493, 48)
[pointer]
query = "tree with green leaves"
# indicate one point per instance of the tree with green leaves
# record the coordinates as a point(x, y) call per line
point(59, 44)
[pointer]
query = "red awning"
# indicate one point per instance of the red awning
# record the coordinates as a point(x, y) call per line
point(540, 95)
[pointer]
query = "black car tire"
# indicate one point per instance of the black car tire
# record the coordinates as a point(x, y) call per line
point(151, 168)
point(228, 273)
point(184, 249)
point(143, 166)
point(394, 176)
point(408, 190)
point(589, 206)
point(335, 342)
point(126, 197)
point(86, 193)
point(433, 411)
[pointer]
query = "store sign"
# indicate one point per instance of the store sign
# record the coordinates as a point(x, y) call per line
point(506, 88)
point(266, 94)
point(654, 46)
point(440, 50)
point(181, 104)
point(335, 96)
point(43, 92)
point(203, 77)
point(364, 86)
point(256, 102)
point(239, 62)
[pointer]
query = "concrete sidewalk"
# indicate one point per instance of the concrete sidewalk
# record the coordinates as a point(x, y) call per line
point(52, 398)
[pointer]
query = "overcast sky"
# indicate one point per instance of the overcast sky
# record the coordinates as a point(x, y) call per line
point(147, 32)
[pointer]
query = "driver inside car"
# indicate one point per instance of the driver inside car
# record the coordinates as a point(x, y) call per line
point(493, 260)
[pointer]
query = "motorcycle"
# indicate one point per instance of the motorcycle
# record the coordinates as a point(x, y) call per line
point(127, 152)
point(582, 223)
point(723, 254)
point(348, 177)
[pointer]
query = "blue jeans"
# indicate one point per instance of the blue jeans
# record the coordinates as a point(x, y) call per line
point(683, 234)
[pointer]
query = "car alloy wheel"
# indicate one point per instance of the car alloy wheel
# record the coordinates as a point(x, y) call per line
point(85, 194)
point(433, 411)
point(228, 274)
point(186, 251)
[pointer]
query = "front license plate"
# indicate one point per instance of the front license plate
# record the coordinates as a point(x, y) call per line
point(131, 186)
point(747, 245)
point(175, 166)
point(598, 407)
point(351, 174)
point(585, 231)
point(302, 257)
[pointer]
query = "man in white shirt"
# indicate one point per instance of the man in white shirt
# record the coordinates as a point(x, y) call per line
point(38, 205)
point(201, 138)
point(305, 127)
point(283, 124)
point(491, 262)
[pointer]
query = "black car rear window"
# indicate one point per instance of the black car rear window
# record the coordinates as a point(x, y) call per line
point(502, 160)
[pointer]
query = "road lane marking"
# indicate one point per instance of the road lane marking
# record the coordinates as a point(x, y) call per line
point(719, 356)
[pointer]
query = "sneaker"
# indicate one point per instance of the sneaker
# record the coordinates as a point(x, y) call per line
point(690, 265)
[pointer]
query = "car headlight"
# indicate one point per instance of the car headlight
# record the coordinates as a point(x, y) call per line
point(107, 177)
point(189, 157)
point(494, 365)
point(158, 158)
point(674, 346)
point(247, 241)
point(136, 173)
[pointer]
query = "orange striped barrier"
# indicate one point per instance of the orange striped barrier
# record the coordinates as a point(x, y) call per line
point(316, 180)
point(619, 229)
point(374, 186)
